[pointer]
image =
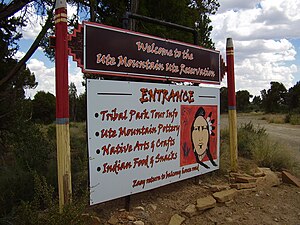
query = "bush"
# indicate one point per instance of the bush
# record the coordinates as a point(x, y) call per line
point(249, 138)
point(273, 155)
point(295, 119)
point(254, 144)
point(43, 210)
point(224, 152)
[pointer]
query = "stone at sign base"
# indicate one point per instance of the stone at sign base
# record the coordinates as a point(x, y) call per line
point(206, 203)
point(290, 179)
point(190, 210)
point(269, 180)
point(224, 196)
point(240, 186)
point(176, 220)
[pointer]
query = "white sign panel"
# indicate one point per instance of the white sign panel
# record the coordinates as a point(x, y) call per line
point(145, 135)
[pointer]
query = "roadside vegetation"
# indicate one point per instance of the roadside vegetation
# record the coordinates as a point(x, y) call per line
point(277, 104)
point(30, 197)
point(28, 165)
point(255, 148)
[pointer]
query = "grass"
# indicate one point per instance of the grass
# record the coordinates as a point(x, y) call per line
point(275, 118)
point(255, 148)
point(293, 119)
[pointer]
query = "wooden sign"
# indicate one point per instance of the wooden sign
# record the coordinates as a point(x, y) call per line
point(111, 51)
point(142, 136)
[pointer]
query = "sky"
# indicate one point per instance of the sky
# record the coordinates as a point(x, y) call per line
point(266, 38)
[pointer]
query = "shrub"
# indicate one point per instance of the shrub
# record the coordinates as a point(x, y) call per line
point(249, 138)
point(43, 210)
point(254, 144)
point(295, 119)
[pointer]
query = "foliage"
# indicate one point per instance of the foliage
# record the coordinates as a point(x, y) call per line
point(224, 99)
point(243, 101)
point(28, 151)
point(295, 119)
point(254, 144)
point(43, 107)
point(256, 104)
point(72, 101)
point(293, 98)
point(249, 139)
point(224, 151)
point(77, 104)
point(274, 100)
point(43, 209)
point(273, 155)
point(81, 107)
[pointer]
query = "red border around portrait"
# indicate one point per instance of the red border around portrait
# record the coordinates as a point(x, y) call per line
point(187, 114)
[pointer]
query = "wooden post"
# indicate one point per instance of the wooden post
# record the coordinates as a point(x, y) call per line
point(62, 105)
point(231, 105)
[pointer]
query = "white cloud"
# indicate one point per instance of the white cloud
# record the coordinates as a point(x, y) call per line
point(19, 55)
point(261, 31)
point(45, 76)
point(236, 5)
point(35, 22)
point(76, 76)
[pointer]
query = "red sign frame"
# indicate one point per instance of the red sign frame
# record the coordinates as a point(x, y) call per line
point(111, 51)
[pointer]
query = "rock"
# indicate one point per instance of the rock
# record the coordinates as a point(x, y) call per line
point(153, 207)
point(206, 203)
point(138, 222)
point(215, 188)
point(269, 180)
point(259, 174)
point(113, 220)
point(229, 203)
point(91, 220)
point(245, 179)
point(140, 208)
point(176, 220)
point(290, 179)
point(240, 186)
point(229, 219)
point(190, 210)
point(95, 220)
point(131, 218)
point(224, 196)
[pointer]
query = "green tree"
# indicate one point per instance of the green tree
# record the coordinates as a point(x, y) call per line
point(224, 99)
point(73, 101)
point(81, 107)
point(43, 107)
point(243, 101)
point(293, 98)
point(274, 100)
point(256, 103)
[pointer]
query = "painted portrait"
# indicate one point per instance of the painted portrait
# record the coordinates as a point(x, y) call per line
point(198, 143)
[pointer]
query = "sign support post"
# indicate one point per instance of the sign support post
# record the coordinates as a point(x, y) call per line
point(231, 104)
point(62, 105)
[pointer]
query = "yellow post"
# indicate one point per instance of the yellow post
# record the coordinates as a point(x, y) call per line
point(63, 165)
point(62, 105)
point(233, 139)
point(231, 105)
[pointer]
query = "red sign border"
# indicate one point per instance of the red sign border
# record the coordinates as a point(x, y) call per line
point(142, 76)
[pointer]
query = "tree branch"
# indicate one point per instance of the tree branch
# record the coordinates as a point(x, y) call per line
point(12, 8)
point(31, 50)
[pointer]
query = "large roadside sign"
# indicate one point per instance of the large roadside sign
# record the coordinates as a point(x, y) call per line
point(110, 51)
point(144, 135)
